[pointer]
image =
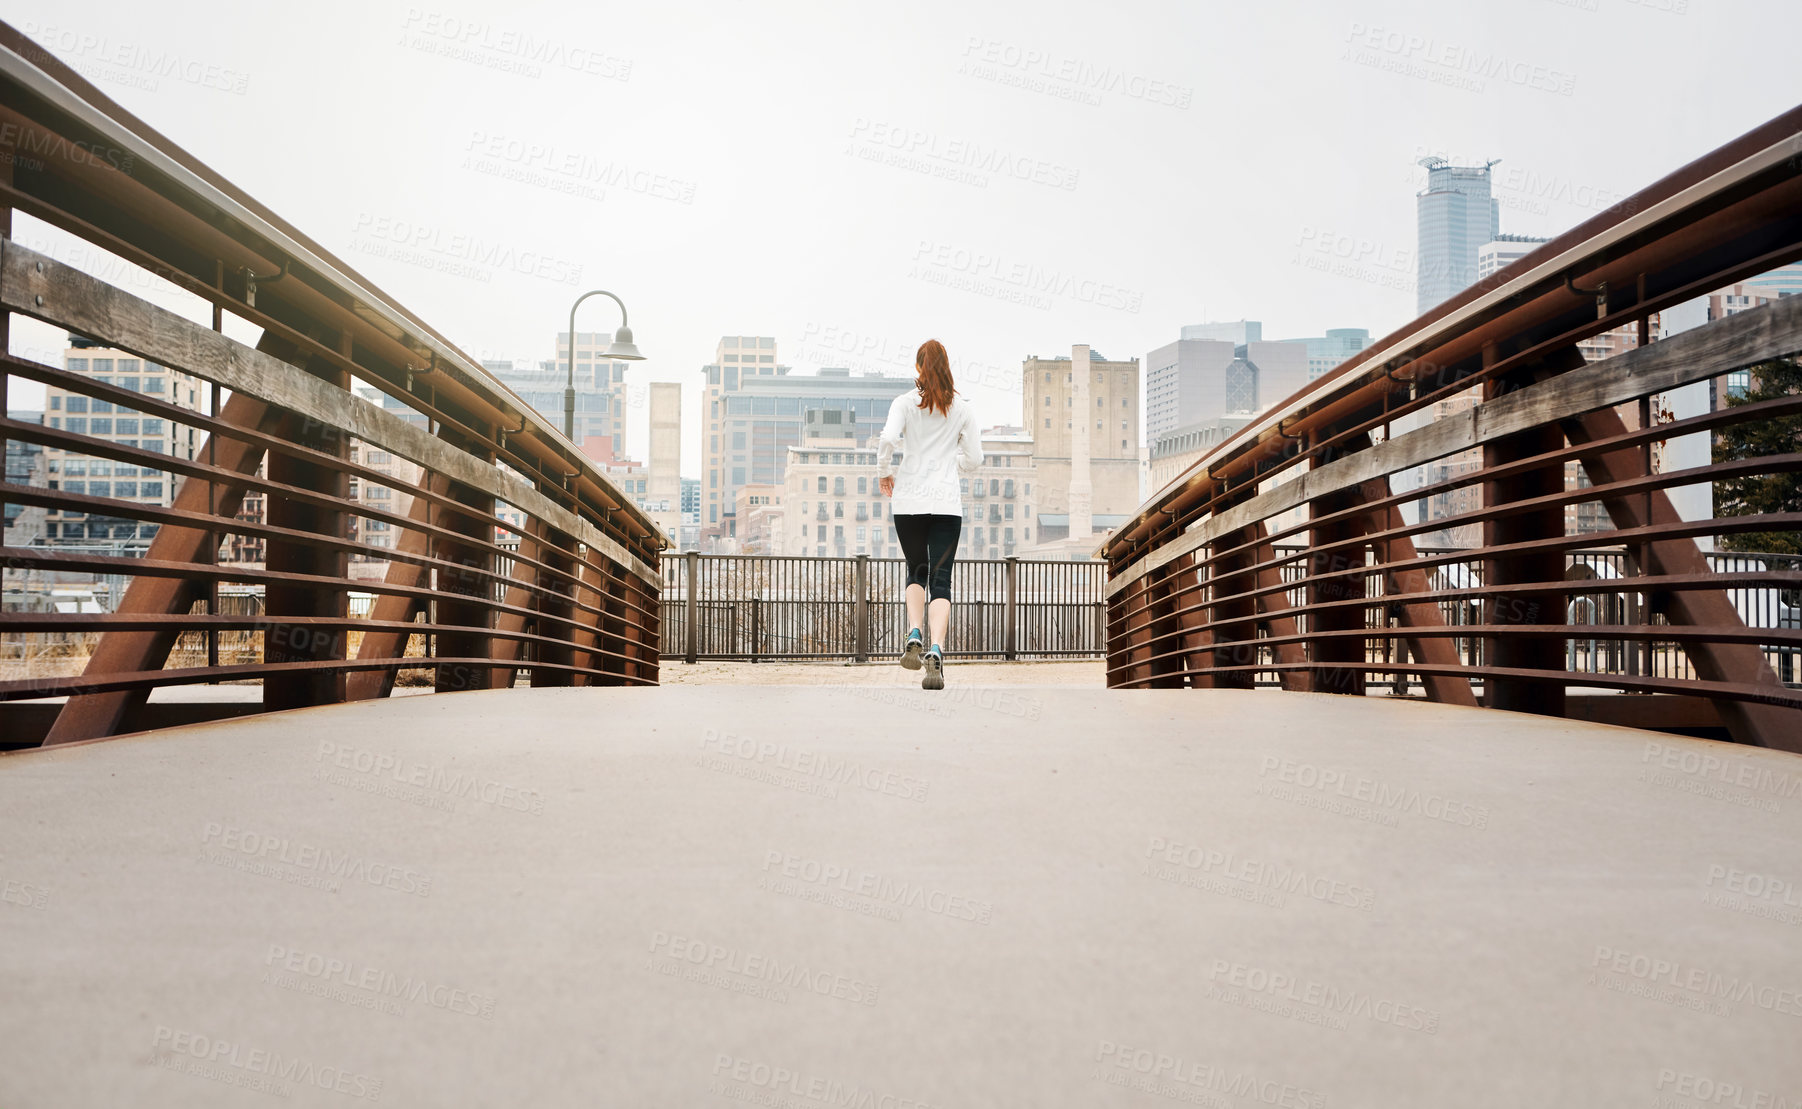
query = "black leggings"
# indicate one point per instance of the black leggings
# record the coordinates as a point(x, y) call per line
point(929, 543)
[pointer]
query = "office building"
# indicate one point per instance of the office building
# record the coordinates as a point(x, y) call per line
point(122, 425)
point(758, 512)
point(1457, 215)
point(393, 495)
point(1196, 381)
point(1176, 450)
point(24, 466)
point(1784, 281)
point(1503, 251)
point(600, 389)
point(1325, 352)
point(1238, 332)
point(690, 537)
point(752, 411)
point(832, 505)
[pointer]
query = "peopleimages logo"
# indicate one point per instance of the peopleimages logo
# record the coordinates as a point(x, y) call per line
point(331, 970)
point(448, 784)
point(876, 887)
point(234, 1064)
point(260, 853)
point(793, 975)
point(799, 760)
point(1379, 795)
point(1206, 1076)
point(459, 254)
point(1023, 278)
point(979, 160)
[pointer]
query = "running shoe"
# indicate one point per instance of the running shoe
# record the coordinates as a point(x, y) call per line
point(935, 669)
point(916, 646)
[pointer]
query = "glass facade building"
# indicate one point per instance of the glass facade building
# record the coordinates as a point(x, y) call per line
point(1457, 215)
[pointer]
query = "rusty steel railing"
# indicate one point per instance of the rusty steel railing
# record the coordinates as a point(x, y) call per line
point(1287, 555)
point(753, 607)
point(565, 588)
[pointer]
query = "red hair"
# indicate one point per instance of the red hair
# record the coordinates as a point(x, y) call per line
point(934, 368)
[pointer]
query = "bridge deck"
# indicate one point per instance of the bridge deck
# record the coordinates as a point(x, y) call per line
point(1024, 897)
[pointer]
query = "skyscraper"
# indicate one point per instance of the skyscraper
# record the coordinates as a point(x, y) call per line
point(1457, 216)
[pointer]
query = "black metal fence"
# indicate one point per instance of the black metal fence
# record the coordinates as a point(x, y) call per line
point(779, 607)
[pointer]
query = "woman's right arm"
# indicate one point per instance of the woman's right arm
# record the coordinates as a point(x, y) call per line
point(890, 440)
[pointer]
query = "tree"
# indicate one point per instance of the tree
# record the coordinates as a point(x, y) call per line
point(1760, 494)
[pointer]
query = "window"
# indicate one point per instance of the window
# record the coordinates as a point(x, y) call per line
point(838, 532)
point(1007, 487)
point(861, 536)
point(1122, 402)
point(994, 487)
point(766, 358)
point(738, 440)
point(1028, 486)
point(153, 385)
point(56, 403)
point(822, 483)
point(820, 534)
point(150, 488)
point(863, 486)
point(838, 486)
point(1122, 444)
point(738, 475)
point(78, 424)
point(1100, 403)
point(100, 488)
point(78, 404)
point(1047, 400)
point(731, 357)
point(73, 486)
point(125, 488)
point(1007, 512)
point(126, 427)
point(1048, 421)
point(838, 509)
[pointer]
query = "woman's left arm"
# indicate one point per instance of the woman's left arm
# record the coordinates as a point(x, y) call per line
point(969, 442)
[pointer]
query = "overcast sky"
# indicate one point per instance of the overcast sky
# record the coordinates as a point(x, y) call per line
point(853, 178)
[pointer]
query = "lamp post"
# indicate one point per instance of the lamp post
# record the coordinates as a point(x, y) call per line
point(621, 348)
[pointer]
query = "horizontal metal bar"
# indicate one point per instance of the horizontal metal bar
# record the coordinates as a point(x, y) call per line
point(1757, 335)
point(36, 285)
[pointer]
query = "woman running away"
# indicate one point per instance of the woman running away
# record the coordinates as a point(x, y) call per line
point(938, 430)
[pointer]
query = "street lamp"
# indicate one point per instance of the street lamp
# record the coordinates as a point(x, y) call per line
point(622, 348)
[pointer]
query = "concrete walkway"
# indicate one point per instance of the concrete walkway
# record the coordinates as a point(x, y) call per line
point(868, 895)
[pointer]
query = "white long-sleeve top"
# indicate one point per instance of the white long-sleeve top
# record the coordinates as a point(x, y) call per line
point(935, 450)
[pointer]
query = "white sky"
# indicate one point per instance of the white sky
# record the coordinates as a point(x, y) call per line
point(1283, 191)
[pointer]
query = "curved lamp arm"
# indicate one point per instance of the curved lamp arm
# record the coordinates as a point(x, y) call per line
point(569, 393)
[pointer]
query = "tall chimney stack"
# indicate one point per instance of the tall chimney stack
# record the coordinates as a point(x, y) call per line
point(1082, 520)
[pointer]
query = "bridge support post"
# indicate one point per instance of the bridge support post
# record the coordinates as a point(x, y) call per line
point(1009, 640)
point(1524, 652)
point(861, 608)
point(284, 642)
point(476, 521)
point(691, 603)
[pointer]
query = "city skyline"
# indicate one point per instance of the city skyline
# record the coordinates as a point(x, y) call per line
point(852, 259)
